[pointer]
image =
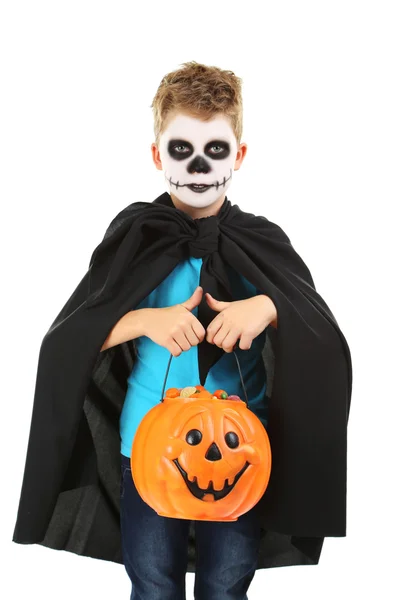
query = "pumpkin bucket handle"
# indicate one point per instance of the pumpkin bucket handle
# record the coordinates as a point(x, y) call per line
point(240, 374)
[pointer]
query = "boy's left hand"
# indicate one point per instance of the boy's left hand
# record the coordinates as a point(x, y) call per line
point(244, 319)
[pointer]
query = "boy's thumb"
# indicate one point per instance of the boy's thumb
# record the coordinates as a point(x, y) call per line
point(194, 299)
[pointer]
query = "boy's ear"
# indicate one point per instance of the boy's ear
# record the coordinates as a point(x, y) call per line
point(240, 154)
point(155, 153)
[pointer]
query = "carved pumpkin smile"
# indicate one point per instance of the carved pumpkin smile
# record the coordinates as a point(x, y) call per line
point(199, 492)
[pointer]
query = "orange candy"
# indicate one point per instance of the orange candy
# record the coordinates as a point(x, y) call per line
point(172, 393)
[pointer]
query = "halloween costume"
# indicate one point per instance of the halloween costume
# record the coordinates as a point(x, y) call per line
point(70, 490)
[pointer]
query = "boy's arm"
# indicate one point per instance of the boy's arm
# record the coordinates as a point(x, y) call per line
point(129, 327)
point(274, 323)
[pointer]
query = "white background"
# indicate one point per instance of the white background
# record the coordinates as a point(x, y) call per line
point(321, 119)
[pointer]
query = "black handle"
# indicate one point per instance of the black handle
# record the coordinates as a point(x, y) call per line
point(240, 374)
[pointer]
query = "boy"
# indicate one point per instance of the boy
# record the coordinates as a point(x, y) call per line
point(198, 158)
point(141, 300)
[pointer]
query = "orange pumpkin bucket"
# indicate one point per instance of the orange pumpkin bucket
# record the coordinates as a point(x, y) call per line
point(201, 456)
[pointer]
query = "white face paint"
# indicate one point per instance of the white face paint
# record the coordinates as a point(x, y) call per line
point(193, 152)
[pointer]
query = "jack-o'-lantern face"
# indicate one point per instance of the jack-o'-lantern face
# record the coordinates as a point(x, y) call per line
point(226, 467)
point(202, 458)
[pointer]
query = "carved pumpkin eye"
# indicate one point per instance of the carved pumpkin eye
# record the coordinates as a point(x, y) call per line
point(232, 439)
point(194, 437)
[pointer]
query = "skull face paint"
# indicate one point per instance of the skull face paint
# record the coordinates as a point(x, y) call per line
point(198, 158)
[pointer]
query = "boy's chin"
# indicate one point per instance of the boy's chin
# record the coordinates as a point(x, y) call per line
point(198, 200)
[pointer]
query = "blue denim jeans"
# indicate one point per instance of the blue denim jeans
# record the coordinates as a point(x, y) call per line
point(154, 550)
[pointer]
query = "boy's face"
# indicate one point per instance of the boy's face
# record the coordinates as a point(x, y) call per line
point(198, 158)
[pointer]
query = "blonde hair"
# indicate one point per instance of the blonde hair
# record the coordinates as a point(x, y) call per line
point(200, 91)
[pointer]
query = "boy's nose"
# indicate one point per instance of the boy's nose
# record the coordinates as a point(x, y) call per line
point(198, 165)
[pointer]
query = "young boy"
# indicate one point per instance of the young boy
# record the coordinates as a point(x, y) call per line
point(198, 155)
point(192, 276)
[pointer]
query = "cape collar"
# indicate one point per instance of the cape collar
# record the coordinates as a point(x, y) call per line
point(166, 200)
point(202, 236)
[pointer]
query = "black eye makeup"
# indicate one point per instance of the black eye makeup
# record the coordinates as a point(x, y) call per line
point(217, 149)
point(180, 149)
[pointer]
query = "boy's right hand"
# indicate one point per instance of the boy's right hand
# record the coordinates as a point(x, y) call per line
point(175, 327)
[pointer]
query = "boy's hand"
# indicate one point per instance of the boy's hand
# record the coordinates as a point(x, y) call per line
point(244, 319)
point(175, 327)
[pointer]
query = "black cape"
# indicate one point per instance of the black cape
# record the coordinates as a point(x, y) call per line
point(70, 490)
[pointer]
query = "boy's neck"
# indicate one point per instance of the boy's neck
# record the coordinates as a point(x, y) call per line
point(198, 213)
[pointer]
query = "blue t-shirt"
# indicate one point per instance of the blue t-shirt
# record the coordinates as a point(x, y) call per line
point(146, 379)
